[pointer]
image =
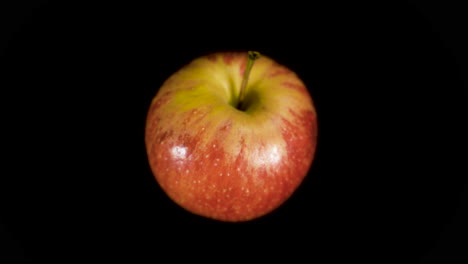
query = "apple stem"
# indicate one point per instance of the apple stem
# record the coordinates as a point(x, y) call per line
point(251, 57)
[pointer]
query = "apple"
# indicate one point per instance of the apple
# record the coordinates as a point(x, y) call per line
point(231, 135)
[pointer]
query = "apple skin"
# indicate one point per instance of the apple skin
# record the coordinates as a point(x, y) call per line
point(223, 163)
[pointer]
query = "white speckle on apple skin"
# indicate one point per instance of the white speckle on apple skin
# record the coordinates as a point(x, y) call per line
point(236, 208)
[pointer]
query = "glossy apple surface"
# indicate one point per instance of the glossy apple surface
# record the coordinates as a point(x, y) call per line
point(226, 163)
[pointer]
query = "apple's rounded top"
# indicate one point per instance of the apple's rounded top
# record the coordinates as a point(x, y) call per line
point(221, 74)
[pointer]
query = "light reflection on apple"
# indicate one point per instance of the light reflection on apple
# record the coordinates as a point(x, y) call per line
point(275, 156)
point(179, 152)
point(271, 155)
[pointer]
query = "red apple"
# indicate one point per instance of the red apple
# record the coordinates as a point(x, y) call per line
point(226, 152)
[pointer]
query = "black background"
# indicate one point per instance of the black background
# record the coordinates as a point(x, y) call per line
point(390, 91)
